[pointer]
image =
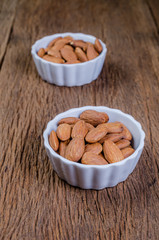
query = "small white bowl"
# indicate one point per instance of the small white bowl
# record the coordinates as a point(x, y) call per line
point(93, 176)
point(68, 74)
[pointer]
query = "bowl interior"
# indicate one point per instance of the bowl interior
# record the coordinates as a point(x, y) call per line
point(114, 115)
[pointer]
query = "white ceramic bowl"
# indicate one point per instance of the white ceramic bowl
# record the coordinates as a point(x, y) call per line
point(93, 176)
point(68, 74)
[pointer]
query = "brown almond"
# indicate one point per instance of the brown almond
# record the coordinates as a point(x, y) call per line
point(95, 134)
point(123, 143)
point(53, 59)
point(75, 149)
point(126, 134)
point(69, 120)
point(69, 47)
point(79, 43)
point(101, 155)
point(114, 127)
point(41, 52)
point(72, 62)
point(69, 37)
point(79, 130)
point(81, 54)
point(93, 117)
point(54, 53)
point(91, 52)
point(61, 43)
point(112, 136)
point(89, 126)
point(68, 54)
point(63, 131)
point(62, 148)
point(98, 46)
point(53, 41)
point(127, 151)
point(111, 152)
point(94, 148)
point(53, 140)
point(90, 158)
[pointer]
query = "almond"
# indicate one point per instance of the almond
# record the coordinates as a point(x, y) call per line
point(75, 149)
point(80, 54)
point(94, 148)
point(79, 43)
point(114, 127)
point(62, 148)
point(68, 54)
point(90, 158)
point(91, 52)
point(127, 151)
point(98, 46)
point(69, 47)
point(53, 140)
point(126, 133)
point(89, 126)
point(72, 62)
point(53, 59)
point(123, 143)
point(112, 136)
point(54, 53)
point(69, 120)
point(111, 152)
point(69, 37)
point(41, 52)
point(96, 134)
point(53, 41)
point(63, 131)
point(79, 130)
point(61, 43)
point(94, 117)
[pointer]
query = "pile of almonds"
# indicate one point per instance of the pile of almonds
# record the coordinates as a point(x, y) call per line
point(91, 139)
point(68, 51)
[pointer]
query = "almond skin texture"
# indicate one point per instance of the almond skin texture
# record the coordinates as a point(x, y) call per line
point(89, 126)
point(75, 149)
point(111, 152)
point(127, 151)
point(53, 59)
point(94, 148)
point(63, 131)
point(126, 133)
point(69, 120)
point(53, 41)
point(68, 54)
point(90, 158)
point(72, 62)
point(123, 143)
point(81, 54)
point(69, 47)
point(41, 52)
point(62, 148)
point(69, 37)
point(91, 52)
point(98, 46)
point(112, 136)
point(79, 43)
point(94, 117)
point(114, 127)
point(79, 130)
point(61, 43)
point(54, 53)
point(53, 140)
point(96, 134)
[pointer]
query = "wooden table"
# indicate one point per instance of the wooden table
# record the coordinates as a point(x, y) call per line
point(34, 202)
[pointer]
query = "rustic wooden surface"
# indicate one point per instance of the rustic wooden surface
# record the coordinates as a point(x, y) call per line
point(34, 202)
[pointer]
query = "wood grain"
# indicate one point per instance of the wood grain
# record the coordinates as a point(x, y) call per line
point(34, 202)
